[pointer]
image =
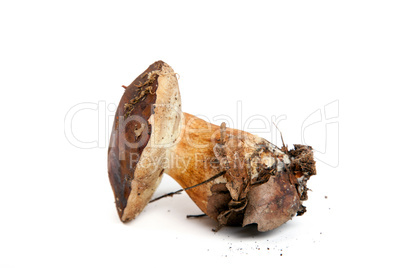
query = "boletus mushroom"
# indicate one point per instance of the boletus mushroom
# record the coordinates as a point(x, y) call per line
point(253, 181)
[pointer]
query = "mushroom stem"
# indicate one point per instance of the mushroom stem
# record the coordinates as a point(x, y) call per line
point(204, 149)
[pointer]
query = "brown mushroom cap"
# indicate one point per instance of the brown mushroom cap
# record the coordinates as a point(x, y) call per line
point(147, 121)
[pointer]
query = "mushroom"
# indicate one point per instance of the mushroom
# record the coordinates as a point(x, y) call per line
point(257, 182)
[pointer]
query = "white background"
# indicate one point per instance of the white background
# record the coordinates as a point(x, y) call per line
point(278, 58)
